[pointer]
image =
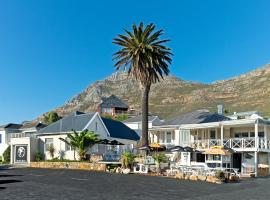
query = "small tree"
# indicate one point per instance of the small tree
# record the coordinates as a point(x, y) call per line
point(51, 117)
point(81, 142)
point(127, 159)
point(38, 156)
point(6, 155)
point(51, 151)
point(159, 158)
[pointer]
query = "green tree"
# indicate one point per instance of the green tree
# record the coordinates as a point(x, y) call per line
point(146, 58)
point(51, 117)
point(6, 155)
point(81, 142)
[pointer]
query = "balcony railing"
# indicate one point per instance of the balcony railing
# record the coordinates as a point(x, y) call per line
point(233, 143)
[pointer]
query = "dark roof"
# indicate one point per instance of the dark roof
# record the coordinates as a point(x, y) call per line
point(119, 130)
point(196, 117)
point(75, 121)
point(138, 118)
point(34, 124)
point(113, 102)
point(12, 126)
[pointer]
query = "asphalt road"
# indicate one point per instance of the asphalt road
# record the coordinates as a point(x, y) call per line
point(26, 183)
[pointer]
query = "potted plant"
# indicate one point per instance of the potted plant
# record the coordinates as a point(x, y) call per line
point(127, 159)
point(159, 158)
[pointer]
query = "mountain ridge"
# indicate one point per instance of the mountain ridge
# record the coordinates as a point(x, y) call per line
point(174, 96)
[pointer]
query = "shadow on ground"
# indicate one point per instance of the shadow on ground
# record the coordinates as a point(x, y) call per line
point(9, 181)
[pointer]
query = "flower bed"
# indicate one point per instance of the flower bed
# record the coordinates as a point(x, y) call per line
point(69, 165)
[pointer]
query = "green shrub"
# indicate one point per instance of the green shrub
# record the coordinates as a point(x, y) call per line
point(6, 155)
point(159, 158)
point(127, 159)
point(122, 117)
point(39, 156)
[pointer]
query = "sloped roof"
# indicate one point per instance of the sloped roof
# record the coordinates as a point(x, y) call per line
point(33, 125)
point(196, 117)
point(119, 130)
point(114, 102)
point(138, 118)
point(75, 121)
point(12, 126)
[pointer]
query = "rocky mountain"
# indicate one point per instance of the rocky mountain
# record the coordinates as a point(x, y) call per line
point(174, 96)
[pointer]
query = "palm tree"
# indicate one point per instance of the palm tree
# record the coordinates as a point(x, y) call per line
point(81, 142)
point(146, 59)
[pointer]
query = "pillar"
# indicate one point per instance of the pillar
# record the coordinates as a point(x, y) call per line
point(256, 147)
point(221, 134)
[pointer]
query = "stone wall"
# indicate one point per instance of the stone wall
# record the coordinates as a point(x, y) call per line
point(69, 165)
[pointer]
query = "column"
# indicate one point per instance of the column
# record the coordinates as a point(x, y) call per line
point(256, 148)
point(265, 136)
point(177, 137)
point(221, 134)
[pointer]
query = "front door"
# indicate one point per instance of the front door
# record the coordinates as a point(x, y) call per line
point(237, 159)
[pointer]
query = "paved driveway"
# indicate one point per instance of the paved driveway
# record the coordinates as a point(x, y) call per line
point(41, 184)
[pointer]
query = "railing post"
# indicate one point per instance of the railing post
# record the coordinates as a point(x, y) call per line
point(230, 143)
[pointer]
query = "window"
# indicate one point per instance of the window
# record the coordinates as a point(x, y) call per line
point(162, 138)
point(0, 138)
point(96, 124)
point(241, 135)
point(169, 137)
point(251, 134)
point(261, 134)
point(245, 134)
point(48, 143)
point(237, 135)
point(213, 134)
point(67, 147)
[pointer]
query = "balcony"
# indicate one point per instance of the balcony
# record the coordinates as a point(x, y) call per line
point(233, 143)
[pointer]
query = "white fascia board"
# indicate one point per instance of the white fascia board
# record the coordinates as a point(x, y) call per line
point(239, 122)
point(163, 128)
point(203, 125)
point(91, 120)
point(108, 133)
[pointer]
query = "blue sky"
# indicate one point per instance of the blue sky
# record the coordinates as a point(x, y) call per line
point(51, 50)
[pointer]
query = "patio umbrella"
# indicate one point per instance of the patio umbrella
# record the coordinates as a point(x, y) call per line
point(105, 141)
point(157, 147)
point(144, 148)
point(176, 149)
point(218, 150)
point(115, 142)
point(188, 149)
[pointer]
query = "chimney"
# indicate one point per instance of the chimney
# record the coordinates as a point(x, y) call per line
point(220, 109)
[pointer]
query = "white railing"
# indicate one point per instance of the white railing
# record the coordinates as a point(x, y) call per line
point(233, 143)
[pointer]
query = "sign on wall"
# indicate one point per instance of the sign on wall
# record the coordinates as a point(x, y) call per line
point(21, 153)
point(185, 158)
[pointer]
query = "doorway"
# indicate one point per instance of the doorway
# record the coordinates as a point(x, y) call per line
point(237, 160)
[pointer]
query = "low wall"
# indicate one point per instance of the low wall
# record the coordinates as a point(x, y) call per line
point(69, 165)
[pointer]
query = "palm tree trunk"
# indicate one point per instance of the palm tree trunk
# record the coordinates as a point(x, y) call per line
point(145, 100)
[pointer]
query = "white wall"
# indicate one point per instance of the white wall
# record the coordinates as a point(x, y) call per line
point(60, 146)
point(3, 144)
